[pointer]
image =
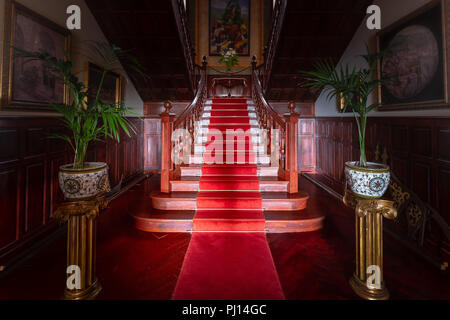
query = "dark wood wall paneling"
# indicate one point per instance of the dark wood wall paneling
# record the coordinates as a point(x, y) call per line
point(152, 144)
point(306, 132)
point(29, 163)
point(418, 150)
point(152, 132)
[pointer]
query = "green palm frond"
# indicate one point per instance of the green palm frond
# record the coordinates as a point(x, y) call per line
point(95, 120)
point(355, 85)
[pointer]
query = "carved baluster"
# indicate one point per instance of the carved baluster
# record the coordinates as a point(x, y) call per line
point(166, 147)
point(269, 132)
point(282, 149)
point(291, 164)
point(191, 136)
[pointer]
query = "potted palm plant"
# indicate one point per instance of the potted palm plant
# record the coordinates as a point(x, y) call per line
point(87, 120)
point(353, 87)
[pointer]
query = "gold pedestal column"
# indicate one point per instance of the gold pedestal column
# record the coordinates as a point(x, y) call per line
point(369, 245)
point(81, 216)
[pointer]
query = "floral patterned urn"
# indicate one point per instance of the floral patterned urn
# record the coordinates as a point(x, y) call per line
point(78, 184)
point(369, 182)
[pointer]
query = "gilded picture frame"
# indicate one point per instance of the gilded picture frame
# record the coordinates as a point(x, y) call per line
point(113, 85)
point(416, 60)
point(29, 84)
point(228, 32)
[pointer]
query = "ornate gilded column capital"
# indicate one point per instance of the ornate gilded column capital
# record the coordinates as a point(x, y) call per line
point(384, 207)
point(89, 208)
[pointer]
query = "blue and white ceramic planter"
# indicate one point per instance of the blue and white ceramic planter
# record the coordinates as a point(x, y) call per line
point(369, 182)
point(78, 184)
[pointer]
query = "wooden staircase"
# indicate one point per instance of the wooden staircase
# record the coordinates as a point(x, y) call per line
point(186, 183)
point(264, 170)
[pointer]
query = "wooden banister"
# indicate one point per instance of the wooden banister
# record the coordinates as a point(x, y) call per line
point(282, 137)
point(279, 12)
point(186, 120)
point(166, 146)
point(181, 20)
point(291, 165)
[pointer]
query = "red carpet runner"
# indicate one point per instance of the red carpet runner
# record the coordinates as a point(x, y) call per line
point(228, 257)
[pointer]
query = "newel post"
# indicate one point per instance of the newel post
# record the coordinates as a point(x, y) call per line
point(291, 164)
point(166, 146)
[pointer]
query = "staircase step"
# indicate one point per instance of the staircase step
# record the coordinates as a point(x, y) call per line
point(233, 113)
point(264, 184)
point(229, 220)
point(229, 200)
point(229, 100)
point(207, 138)
point(272, 201)
point(229, 183)
point(198, 159)
point(182, 221)
point(196, 171)
point(229, 106)
point(201, 148)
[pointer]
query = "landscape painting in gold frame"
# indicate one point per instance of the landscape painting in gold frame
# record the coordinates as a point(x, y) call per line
point(415, 62)
point(28, 83)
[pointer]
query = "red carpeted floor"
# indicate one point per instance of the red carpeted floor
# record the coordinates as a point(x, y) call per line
point(228, 256)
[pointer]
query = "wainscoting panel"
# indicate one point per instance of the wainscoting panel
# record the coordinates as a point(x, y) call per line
point(152, 144)
point(29, 164)
point(417, 151)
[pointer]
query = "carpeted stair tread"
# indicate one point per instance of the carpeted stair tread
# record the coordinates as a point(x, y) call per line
point(229, 120)
point(230, 178)
point(229, 195)
point(230, 107)
point(229, 169)
point(228, 256)
point(229, 100)
point(218, 113)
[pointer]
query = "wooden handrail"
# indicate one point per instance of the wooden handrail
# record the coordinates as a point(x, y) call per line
point(181, 20)
point(198, 99)
point(284, 147)
point(186, 120)
point(258, 95)
point(279, 13)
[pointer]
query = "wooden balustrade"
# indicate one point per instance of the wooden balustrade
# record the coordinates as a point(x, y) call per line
point(187, 121)
point(278, 15)
point(281, 134)
point(181, 20)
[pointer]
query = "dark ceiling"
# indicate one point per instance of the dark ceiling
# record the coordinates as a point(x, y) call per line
point(312, 30)
point(148, 28)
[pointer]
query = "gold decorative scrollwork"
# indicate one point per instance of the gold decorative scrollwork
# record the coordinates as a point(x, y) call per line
point(398, 195)
point(415, 215)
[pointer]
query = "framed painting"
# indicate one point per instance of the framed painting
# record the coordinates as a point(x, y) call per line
point(28, 83)
point(415, 62)
point(112, 88)
point(229, 26)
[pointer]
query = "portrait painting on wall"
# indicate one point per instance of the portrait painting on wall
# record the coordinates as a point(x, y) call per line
point(414, 61)
point(229, 24)
point(111, 88)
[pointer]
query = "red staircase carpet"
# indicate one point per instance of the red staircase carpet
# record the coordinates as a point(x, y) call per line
point(228, 257)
